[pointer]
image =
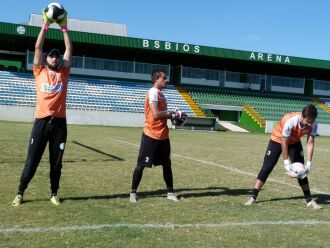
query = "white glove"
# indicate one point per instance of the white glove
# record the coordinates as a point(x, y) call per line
point(308, 166)
point(289, 171)
point(307, 169)
point(287, 165)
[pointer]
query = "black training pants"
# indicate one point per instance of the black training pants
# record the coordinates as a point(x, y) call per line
point(273, 153)
point(54, 131)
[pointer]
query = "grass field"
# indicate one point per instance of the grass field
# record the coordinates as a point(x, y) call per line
point(213, 172)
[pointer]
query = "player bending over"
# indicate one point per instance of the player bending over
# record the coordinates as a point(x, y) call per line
point(285, 140)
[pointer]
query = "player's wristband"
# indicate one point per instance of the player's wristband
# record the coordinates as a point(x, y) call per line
point(44, 27)
point(64, 29)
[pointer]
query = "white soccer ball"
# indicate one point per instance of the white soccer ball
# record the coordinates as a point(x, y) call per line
point(55, 12)
point(298, 169)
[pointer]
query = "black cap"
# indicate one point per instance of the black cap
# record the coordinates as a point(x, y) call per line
point(54, 52)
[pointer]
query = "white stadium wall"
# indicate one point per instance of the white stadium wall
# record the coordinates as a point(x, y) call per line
point(85, 117)
point(81, 117)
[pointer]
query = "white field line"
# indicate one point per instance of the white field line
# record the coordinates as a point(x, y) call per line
point(322, 149)
point(229, 168)
point(157, 226)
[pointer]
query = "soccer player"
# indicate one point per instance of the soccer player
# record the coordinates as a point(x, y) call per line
point(51, 79)
point(155, 144)
point(285, 140)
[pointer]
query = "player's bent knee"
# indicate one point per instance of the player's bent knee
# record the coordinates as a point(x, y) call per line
point(263, 175)
point(303, 181)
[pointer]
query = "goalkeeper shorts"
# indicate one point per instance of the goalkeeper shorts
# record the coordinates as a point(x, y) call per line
point(154, 152)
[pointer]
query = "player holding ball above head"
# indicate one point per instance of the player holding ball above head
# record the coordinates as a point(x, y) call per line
point(51, 79)
point(285, 140)
point(155, 144)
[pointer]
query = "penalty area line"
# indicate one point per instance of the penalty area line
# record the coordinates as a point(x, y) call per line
point(156, 226)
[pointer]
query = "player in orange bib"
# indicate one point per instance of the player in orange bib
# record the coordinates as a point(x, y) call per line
point(285, 140)
point(51, 79)
point(155, 144)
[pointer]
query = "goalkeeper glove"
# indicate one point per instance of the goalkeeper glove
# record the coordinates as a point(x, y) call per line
point(45, 20)
point(178, 115)
point(287, 165)
point(308, 167)
point(289, 171)
point(64, 22)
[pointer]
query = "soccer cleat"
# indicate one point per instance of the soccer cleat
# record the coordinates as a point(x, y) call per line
point(314, 205)
point(133, 198)
point(17, 201)
point(55, 200)
point(172, 197)
point(250, 201)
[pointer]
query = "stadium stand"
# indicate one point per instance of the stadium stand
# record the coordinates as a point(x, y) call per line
point(270, 106)
point(326, 101)
point(17, 89)
point(187, 97)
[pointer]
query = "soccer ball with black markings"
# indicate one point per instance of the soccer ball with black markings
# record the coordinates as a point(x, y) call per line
point(298, 169)
point(55, 12)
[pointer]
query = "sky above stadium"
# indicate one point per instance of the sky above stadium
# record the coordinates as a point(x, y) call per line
point(288, 27)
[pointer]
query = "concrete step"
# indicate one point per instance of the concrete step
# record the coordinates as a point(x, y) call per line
point(232, 127)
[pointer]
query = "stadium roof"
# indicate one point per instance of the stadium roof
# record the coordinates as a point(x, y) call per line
point(19, 38)
point(85, 26)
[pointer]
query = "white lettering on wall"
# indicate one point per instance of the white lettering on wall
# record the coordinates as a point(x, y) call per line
point(166, 45)
point(278, 58)
point(145, 43)
point(269, 57)
point(186, 48)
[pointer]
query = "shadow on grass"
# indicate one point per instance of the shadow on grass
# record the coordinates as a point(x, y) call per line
point(320, 198)
point(212, 191)
point(98, 151)
point(109, 157)
point(186, 193)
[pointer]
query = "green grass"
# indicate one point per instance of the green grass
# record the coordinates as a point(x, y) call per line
point(95, 184)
